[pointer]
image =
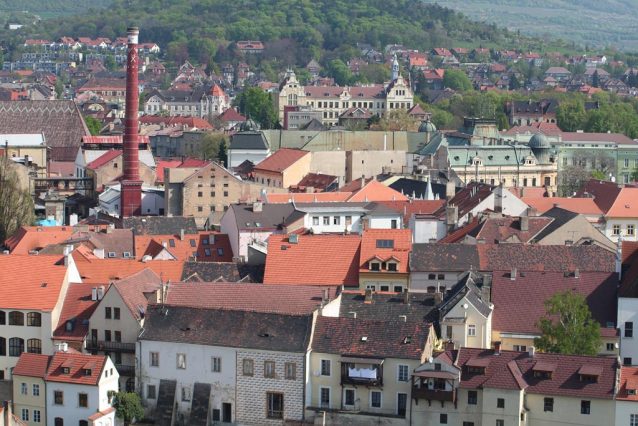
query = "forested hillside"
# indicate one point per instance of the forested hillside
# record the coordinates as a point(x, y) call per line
point(44, 6)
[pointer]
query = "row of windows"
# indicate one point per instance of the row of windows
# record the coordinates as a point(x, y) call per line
point(35, 389)
point(34, 319)
point(265, 182)
point(112, 313)
point(37, 416)
point(212, 193)
point(403, 370)
point(212, 208)
point(16, 346)
point(548, 403)
point(385, 287)
point(349, 399)
point(58, 399)
point(631, 229)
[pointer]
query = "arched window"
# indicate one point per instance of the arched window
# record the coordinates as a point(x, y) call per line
point(59, 421)
point(34, 319)
point(16, 318)
point(34, 346)
point(16, 346)
point(3, 346)
point(431, 277)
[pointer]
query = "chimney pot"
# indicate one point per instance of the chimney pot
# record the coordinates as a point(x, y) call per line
point(94, 293)
point(497, 348)
point(8, 414)
point(100, 292)
point(324, 296)
point(513, 274)
point(368, 298)
point(532, 351)
point(576, 273)
point(181, 235)
point(406, 296)
point(524, 221)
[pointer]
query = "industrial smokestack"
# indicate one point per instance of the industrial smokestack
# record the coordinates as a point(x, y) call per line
point(131, 184)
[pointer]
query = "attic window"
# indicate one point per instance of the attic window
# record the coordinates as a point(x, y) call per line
point(127, 254)
point(193, 243)
point(375, 266)
point(205, 242)
point(43, 285)
point(39, 229)
point(85, 322)
point(476, 370)
point(111, 254)
point(392, 267)
point(171, 242)
point(66, 370)
point(87, 372)
point(385, 243)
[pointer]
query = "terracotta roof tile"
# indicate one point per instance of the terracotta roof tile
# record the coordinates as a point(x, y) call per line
point(519, 303)
point(29, 238)
point(32, 365)
point(78, 305)
point(402, 241)
point(604, 193)
point(222, 271)
point(281, 160)
point(104, 159)
point(384, 339)
point(133, 287)
point(31, 282)
point(253, 297)
point(629, 252)
point(319, 197)
point(209, 246)
point(625, 205)
point(373, 191)
point(76, 374)
point(585, 206)
point(628, 380)
point(459, 235)
point(106, 270)
point(410, 207)
point(315, 260)
point(508, 229)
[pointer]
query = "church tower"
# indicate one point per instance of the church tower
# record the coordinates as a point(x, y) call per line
point(395, 69)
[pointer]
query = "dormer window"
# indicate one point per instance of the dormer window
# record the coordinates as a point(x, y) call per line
point(375, 266)
point(87, 372)
point(392, 267)
point(588, 378)
point(631, 391)
point(66, 370)
point(543, 370)
point(590, 373)
point(477, 365)
point(476, 370)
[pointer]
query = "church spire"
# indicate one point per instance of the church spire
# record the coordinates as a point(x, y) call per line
point(395, 69)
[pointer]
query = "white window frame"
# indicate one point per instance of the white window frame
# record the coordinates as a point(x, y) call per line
point(354, 399)
point(633, 420)
point(329, 367)
point(471, 330)
point(407, 371)
point(24, 415)
point(321, 388)
point(38, 418)
point(150, 359)
point(219, 364)
point(380, 400)
point(35, 390)
point(24, 389)
point(181, 356)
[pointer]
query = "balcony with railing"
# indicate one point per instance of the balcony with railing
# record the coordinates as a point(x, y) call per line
point(434, 394)
point(361, 371)
point(125, 370)
point(103, 345)
point(434, 385)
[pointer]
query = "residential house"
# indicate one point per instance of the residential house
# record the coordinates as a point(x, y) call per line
point(434, 78)
point(247, 144)
point(250, 46)
point(621, 218)
point(283, 168)
point(204, 101)
point(559, 73)
point(118, 320)
point(77, 387)
point(34, 238)
point(29, 401)
point(384, 260)
point(584, 206)
point(362, 368)
point(204, 246)
point(492, 386)
point(519, 295)
point(346, 217)
point(246, 367)
point(387, 306)
point(627, 305)
point(73, 326)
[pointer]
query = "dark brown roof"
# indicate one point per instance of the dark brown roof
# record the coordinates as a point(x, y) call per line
point(383, 339)
point(222, 271)
point(389, 306)
point(604, 193)
point(160, 225)
point(231, 328)
point(444, 257)
point(59, 121)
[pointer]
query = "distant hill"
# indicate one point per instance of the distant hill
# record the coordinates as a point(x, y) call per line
point(51, 6)
point(587, 22)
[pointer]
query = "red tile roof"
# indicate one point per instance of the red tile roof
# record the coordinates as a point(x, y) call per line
point(314, 260)
point(183, 250)
point(104, 159)
point(161, 165)
point(76, 374)
point(300, 197)
point(133, 287)
point(78, 305)
point(458, 236)
point(585, 206)
point(628, 380)
point(31, 282)
point(629, 252)
point(385, 339)
point(402, 239)
point(281, 160)
point(514, 370)
point(253, 297)
point(604, 193)
point(32, 365)
point(529, 191)
point(617, 138)
point(29, 238)
point(625, 205)
point(410, 207)
point(519, 303)
point(193, 163)
point(232, 115)
point(508, 229)
point(373, 191)
point(106, 270)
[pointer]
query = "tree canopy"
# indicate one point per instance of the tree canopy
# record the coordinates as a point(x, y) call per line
point(456, 80)
point(128, 406)
point(93, 124)
point(16, 205)
point(258, 105)
point(568, 326)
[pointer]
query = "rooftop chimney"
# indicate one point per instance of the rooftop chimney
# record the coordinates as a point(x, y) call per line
point(8, 414)
point(497, 348)
point(524, 220)
point(576, 273)
point(181, 235)
point(368, 295)
point(100, 292)
point(94, 293)
point(513, 274)
point(532, 350)
point(131, 183)
point(324, 296)
point(406, 296)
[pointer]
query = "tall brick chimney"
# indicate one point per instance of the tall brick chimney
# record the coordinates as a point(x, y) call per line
point(131, 199)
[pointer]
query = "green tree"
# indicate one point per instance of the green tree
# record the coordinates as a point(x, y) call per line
point(1, 59)
point(128, 406)
point(375, 73)
point(514, 83)
point(456, 80)
point(222, 153)
point(94, 125)
point(201, 48)
point(634, 175)
point(110, 64)
point(568, 327)
point(211, 144)
point(59, 88)
point(502, 122)
point(398, 120)
point(570, 115)
point(16, 205)
point(340, 72)
point(258, 105)
point(142, 100)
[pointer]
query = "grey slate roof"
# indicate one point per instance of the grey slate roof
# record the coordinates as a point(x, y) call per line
point(444, 257)
point(411, 186)
point(560, 216)
point(230, 328)
point(269, 218)
point(467, 286)
point(389, 307)
point(226, 271)
point(160, 225)
point(249, 140)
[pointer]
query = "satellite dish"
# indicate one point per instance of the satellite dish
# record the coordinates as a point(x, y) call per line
point(430, 360)
point(465, 306)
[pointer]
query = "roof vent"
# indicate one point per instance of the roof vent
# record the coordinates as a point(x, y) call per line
point(407, 340)
point(284, 247)
point(364, 338)
point(43, 285)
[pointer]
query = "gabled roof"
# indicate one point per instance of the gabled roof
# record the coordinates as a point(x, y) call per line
point(625, 205)
point(508, 229)
point(133, 287)
point(301, 197)
point(389, 306)
point(77, 307)
point(372, 191)
point(29, 238)
point(385, 339)
point(603, 193)
point(280, 160)
point(270, 217)
point(31, 282)
point(249, 140)
point(231, 115)
point(114, 242)
point(519, 303)
point(100, 271)
point(558, 217)
point(409, 207)
point(252, 297)
point(32, 365)
point(466, 289)
point(313, 260)
point(320, 182)
point(402, 245)
point(184, 250)
point(628, 380)
point(585, 206)
point(229, 328)
point(76, 363)
point(443, 257)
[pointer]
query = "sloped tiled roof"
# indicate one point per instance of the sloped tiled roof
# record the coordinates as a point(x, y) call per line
point(389, 306)
point(625, 205)
point(133, 287)
point(385, 339)
point(519, 303)
point(32, 365)
point(29, 238)
point(604, 193)
point(508, 229)
point(585, 206)
point(373, 191)
point(281, 160)
point(77, 363)
point(410, 207)
point(103, 160)
point(78, 305)
point(314, 260)
point(319, 197)
point(30, 282)
point(222, 271)
point(230, 328)
point(628, 380)
point(100, 271)
point(458, 236)
point(183, 250)
point(160, 225)
point(253, 297)
point(444, 257)
point(402, 240)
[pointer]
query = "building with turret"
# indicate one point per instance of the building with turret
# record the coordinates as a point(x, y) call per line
point(333, 101)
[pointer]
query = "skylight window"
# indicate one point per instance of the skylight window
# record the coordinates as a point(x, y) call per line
point(385, 243)
point(364, 338)
point(193, 244)
point(171, 242)
point(111, 254)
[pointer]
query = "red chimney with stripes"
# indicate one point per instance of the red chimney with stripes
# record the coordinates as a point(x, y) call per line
point(131, 199)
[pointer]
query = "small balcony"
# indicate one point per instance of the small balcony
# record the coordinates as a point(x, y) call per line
point(434, 394)
point(125, 370)
point(361, 371)
point(102, 345)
